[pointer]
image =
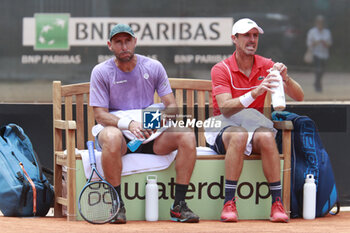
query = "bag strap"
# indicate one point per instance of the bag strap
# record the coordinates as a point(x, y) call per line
point(48, 171)
point(39, 164)
point(33, 186)
point(25, 189)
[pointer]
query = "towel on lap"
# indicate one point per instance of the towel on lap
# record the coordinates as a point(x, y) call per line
point(250, 119)
point(134, 163)
point(136, 115)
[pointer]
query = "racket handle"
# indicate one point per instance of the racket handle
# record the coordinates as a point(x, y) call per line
point(90, 146)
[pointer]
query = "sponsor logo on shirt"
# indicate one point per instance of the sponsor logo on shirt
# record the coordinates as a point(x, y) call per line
point(146, 76)
point(261, 78)
point(120, 82)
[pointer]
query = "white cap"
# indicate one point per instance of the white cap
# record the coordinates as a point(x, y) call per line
point(244, 25)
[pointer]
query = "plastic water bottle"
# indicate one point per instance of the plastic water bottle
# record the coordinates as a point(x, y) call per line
point(309, 198)
point(134, 144)
point(278, 98)
point(151, 198)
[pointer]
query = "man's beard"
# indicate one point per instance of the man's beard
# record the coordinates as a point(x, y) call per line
point(124, 59)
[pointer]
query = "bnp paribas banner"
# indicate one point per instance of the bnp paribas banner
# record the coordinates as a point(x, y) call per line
point(57, 43)
point(60, 31)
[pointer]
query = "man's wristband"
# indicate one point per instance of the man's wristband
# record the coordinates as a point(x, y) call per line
point(246, 99)
point(123, 123)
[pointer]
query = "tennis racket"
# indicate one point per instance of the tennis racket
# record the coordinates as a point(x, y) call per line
point(98, 200)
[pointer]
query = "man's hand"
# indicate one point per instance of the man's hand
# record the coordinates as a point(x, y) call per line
point(282, 69)
point(269, 82)
point(136, 129)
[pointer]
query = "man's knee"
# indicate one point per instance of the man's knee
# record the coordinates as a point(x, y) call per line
point(235, 136)
point(111, 138)
point(173, 138)
point(264, 140)
point(186, 137)
point(264, 136)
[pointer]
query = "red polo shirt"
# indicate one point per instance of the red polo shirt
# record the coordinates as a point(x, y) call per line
point(226, 78)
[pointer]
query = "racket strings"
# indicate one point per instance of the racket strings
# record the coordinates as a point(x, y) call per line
point(99, 202)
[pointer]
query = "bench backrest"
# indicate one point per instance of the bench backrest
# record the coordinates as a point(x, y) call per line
point(74, 98)
point(194, 95)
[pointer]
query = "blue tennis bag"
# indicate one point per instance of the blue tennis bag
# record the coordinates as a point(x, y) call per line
point(24, 189)
point(309, 157)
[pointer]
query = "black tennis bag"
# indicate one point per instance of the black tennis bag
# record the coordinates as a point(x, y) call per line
point(309, 157)
point(24, 189)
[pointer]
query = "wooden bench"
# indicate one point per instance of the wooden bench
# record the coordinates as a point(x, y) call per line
point(73, 119)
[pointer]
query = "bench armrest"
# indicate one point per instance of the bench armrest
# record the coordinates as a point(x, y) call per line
point(61, 124)
point(283, 125)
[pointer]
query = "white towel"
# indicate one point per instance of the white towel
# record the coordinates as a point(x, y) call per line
point(250, 119)
point(137, 163)
point(136, 115)
point(133, 163)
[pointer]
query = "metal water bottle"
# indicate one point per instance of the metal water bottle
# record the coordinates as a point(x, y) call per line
point(278, 98)
point(309, 198)
point(151, 210)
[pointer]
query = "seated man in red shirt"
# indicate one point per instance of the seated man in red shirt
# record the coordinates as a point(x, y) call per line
point(240, 82)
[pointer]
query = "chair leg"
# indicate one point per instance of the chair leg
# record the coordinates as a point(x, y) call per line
point(71, 200)
point(71, 175)
point(58, 190)
point(286, 147)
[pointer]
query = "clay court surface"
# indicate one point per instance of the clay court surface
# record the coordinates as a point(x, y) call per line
point(339, 223)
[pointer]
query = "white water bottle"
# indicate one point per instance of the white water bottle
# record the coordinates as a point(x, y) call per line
point(151, 210)
point(278, 98)
point(309, 198)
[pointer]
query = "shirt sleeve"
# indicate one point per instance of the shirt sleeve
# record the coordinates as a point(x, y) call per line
point(162, 86)
point(221, 81)
point(99, 92)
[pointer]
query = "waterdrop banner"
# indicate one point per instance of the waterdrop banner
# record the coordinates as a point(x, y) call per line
point(205, 194)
